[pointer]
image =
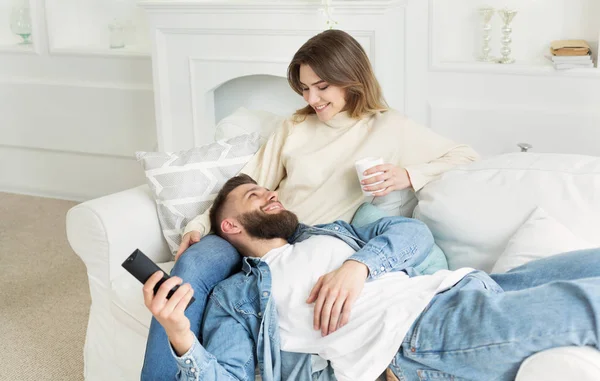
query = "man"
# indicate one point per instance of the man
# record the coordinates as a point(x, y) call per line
point(463, 323)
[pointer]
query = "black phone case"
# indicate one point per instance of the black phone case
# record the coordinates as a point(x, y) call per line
point(142, 268)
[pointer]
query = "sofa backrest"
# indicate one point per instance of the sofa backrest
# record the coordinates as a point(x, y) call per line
point(474, 210)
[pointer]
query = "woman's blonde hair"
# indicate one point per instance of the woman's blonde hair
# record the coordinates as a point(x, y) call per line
point(338, 59)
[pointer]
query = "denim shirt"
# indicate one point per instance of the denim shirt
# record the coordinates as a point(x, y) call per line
point(240, 328)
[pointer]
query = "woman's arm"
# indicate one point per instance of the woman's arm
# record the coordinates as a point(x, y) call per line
point(422, 156)
point(426, 155)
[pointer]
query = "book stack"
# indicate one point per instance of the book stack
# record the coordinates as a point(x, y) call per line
point(571, 54)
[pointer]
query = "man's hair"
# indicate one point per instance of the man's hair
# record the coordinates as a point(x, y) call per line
point(217, 207)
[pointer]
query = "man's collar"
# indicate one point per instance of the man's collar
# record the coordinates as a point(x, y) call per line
point(301, 228)
point(248, 263)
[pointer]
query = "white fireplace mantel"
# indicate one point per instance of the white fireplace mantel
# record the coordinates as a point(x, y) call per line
point(199, 45)
point(270, 6)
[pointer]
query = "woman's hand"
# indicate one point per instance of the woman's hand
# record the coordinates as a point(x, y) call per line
point(335, 293)
point(187, 240)
point(393, 177)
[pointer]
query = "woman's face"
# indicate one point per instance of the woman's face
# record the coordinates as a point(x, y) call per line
point(327, 100)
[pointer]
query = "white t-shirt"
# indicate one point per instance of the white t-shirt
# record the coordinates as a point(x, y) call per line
point(380, 317)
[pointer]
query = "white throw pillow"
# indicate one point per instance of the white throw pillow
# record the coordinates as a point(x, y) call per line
point(539, 237)
point(245, 121)
point(185, 183)
point(474, 210)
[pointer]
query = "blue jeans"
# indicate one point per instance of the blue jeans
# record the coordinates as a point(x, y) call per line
point(203, 265)
point(485, 326)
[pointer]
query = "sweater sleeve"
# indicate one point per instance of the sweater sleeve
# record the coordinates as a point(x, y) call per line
point(266, 167)
point(426, 155)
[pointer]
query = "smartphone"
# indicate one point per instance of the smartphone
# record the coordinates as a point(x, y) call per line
point(142, 268)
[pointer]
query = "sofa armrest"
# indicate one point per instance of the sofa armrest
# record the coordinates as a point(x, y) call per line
point(104, 231)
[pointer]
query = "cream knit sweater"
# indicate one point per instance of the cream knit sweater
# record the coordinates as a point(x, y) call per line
point(311, 164)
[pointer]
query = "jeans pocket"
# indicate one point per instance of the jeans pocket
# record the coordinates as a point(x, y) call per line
point(434, 375)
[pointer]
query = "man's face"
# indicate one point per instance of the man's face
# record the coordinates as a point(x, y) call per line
point(260, 213)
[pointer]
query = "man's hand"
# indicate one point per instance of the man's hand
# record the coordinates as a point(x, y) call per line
point(335, 293)
point(170, 312)
point(187, 240)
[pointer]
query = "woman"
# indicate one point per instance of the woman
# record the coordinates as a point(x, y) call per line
point(310, 162)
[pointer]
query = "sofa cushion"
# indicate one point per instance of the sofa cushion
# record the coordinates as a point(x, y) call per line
point(244, 121)
point(539, 237)
point(560, 364)
point(185, 183)
point(474, 210)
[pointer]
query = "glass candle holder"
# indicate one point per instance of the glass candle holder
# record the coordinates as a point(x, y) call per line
point(486, 14)
point(507, 16)
point(116, 34)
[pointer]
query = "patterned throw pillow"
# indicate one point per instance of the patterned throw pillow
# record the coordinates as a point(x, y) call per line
point(185, 183)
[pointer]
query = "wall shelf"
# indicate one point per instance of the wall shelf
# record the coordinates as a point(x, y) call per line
point(129, 51)
point(456, 35)
point(77, 27)
point(517, 68)
point(16, 48)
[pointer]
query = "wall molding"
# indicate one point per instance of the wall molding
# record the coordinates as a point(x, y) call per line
point(30, 191)
point(18, 49)
point(66, 151)
point(513, 69)
point(508, 107)
point(493, 129)
point(76, 83)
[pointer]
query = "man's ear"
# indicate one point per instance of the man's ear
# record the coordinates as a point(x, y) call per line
point(230, 226)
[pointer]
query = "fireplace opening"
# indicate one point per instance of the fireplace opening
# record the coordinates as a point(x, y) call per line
point(256, 92)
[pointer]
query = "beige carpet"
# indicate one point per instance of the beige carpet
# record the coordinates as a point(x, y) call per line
point(44, 296)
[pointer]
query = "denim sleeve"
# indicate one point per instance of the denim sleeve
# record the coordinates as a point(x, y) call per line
point(228, 353)
point(393, 244)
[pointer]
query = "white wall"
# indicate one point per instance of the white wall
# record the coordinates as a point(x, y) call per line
point(71, 120)
point(72, 114)
point(491, 106)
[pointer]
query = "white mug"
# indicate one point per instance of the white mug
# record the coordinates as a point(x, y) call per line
point(364, 164)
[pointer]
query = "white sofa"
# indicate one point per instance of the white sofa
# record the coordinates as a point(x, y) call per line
point(491, 198)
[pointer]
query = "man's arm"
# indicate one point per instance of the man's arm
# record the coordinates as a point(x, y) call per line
point(230, 350)
point(392, 244)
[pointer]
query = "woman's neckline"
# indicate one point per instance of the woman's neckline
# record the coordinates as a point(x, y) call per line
point(342, 120)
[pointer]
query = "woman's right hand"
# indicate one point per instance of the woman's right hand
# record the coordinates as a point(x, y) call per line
point(187, 240)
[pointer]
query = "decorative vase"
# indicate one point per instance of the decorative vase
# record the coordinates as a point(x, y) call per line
point(20, 22)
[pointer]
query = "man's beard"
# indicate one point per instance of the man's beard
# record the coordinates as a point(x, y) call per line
point(268, 226)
